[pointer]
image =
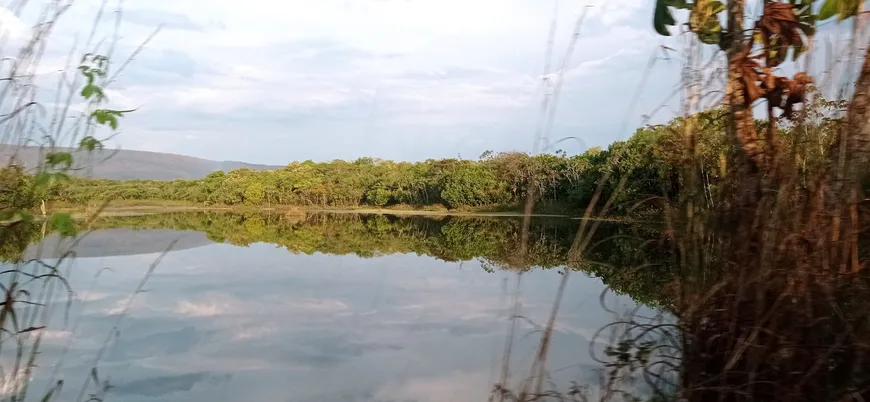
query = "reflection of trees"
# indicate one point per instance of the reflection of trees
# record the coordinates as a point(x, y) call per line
point(446, 238)
point(621, 255)
point(14, 239)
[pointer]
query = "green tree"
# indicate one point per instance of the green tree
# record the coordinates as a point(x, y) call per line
point(255, 193)
point(16, 189)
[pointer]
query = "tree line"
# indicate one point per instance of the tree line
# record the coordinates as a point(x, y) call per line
point(644, 168)
point(495, 180)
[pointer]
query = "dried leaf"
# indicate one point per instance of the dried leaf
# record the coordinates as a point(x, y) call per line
point(750, 76)
point(781, 90)
point(797, 92)
point(780, 29)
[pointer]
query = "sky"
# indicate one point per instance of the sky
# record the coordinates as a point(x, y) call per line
point(272, 82)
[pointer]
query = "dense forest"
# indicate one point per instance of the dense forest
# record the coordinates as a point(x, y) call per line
point(645, 166)
point(496, 179)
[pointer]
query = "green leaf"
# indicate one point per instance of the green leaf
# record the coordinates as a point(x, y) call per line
point(849, 8)
point(710, 37)
point(55, 159)
point(106, 117)
point(109, 116)
point(711, 32)
point(829, 9)
point(89, 74)
point(90, 143)
point(90, 90)
point(46, 178)
point(63, 224)
point(662, 18)
point(843, 9)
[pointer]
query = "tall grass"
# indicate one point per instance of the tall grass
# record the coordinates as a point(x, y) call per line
point(771, 300)
point(36, 291)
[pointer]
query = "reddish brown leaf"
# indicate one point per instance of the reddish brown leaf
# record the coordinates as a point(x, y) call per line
point(779, 24)
point(797, 91)
point(749, 76)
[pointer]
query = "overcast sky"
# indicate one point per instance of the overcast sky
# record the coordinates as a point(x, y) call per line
point(275, 81)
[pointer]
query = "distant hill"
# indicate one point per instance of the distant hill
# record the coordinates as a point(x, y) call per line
point(127, 164)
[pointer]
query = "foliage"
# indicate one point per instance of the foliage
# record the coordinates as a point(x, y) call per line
point(20, 192)
point(493, 240)
point(16, 189)
point(496, 179)
point(703, 18)
point(842, 9)
point(649, 162)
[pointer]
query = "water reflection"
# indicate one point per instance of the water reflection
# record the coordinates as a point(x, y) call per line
point(115, 242)
point(494, 241)
point(362, 308)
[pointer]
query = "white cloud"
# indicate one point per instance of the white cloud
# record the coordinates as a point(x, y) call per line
point(12, 29)
point(324, 70)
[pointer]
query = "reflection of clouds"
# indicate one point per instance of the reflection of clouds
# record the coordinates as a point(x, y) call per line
point(250, 333)
point(330, 351)
point(90, 296)
point(455, 309)
point(396, 327)
point(202, 309)
point(120, 306)
point(165, 385)
point(453, 387)
point(53, 335)
point(429, 283)
point(226, 305)
point(317, 306)
point(169, 343)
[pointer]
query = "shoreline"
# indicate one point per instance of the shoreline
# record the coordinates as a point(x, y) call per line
point(133, 210)
point(82, 211)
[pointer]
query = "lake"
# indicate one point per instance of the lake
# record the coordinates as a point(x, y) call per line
point(326, 307)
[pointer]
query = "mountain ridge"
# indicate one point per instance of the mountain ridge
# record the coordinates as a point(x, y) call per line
point(129, 164)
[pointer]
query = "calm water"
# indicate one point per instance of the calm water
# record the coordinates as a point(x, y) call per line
point(324, 308)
